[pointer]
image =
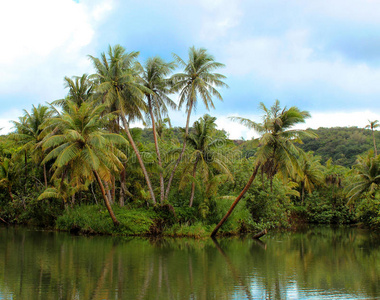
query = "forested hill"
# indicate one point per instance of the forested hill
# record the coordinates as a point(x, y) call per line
point(342, 144)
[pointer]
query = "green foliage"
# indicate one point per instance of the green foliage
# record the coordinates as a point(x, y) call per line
point(342, 144)
point(323, 209)
point(368, 211)
point(92, 219)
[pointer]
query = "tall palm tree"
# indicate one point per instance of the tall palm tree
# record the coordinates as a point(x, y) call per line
point(205, 155)
point(196, 81)
point(154, 78)
point(372, 125)
point(366, 177)
point(277, 152)
point(81, 150)
point(120, 89)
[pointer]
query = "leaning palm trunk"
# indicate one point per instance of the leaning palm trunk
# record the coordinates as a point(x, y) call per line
point(236, 200)
point(126, 129)
point(162, 187)
point(181, 154)
point(108, 205)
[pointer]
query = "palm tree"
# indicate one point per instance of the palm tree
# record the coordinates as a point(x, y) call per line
point(372, 125)
point(81, 89)
point(120, 89)
point(154, 79)
point(366, 177)
point(204, 154)
point(28, 134)
point(6, 175)
point(81, 150)
point(277, 152)
point(311, 173)
point(197, 81)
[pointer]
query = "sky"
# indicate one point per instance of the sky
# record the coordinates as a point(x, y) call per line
point(321, 56)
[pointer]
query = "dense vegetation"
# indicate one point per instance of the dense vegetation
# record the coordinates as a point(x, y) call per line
point(78, 165)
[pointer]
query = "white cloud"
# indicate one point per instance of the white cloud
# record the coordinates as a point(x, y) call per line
point(219, 17)
point(289, 60)
point(43, 41)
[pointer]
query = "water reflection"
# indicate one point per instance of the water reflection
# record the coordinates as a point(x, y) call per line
point(314, 263)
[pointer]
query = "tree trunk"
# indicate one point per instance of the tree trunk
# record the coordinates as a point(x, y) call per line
point(126, 129)
point(122, 188)
point(106, 202)
point(72, 200)
point(236, 201)
point(113, 192)
point(260, 234)
point(302, 192)
point(26, 170)
point(108, 192)
point(10, 193)
point(193, 184)
point(162, 187)
point(180, 156)
point(45, 177)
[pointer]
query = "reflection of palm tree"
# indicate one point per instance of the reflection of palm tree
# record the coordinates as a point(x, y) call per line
point(197, 81)
point(372, 125)
point(277, 152)
point(234, 271)
point(81, 150)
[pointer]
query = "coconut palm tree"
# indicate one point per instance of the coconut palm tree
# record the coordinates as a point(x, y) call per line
point(154, 78)
point(366, 177)
point(277, 152)
point(311, 173)
point(81, 149)
point(28, 134)
point(198, 80)
point(372, 125)
point(204, 154)
point(120, 88)
point(81, 89)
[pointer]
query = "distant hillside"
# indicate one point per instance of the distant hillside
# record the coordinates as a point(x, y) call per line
point(342, 144)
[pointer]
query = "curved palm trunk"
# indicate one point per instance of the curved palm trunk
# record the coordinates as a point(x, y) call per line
point(181, 155)
point(126, 129)
point(162, 187)
point(193, 184)
point(108, 205)
point(236, 200)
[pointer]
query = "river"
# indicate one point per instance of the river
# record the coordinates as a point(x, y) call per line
point(314, 263)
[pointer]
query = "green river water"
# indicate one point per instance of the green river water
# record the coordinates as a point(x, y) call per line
point(315, 263)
